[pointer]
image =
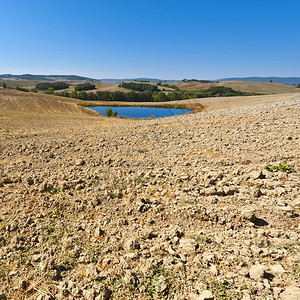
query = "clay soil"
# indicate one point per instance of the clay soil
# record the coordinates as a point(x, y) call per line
point(174, 208)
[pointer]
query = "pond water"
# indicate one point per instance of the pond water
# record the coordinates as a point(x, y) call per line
point(136, 112)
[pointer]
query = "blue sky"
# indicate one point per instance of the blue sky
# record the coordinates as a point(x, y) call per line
point(161, 39)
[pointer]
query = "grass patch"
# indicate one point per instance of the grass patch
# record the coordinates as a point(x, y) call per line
point(282, 167)
point(53, 191)
point(202, 238)
point(296, 269)
point(224, 289)
point(142, 150)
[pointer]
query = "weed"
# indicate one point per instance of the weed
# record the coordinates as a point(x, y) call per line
point(142, 180)
point(224, 289)
point(290, 247)
point(92, 253)
point(283, 167)
point(202, 238)
point(187, 201)
point(52, 191)
point(142, 150)
point(151, 282)
point(55, 213)
point(296, 269)
point(6, 131)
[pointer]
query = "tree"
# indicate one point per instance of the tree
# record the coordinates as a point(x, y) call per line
point(108, 112)
point(114, 114)
point(4, 86)
point(50, 90)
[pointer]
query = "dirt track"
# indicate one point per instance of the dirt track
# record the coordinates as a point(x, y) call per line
point(174, 208)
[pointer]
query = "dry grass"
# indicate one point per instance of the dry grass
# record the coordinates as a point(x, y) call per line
point(244, 86)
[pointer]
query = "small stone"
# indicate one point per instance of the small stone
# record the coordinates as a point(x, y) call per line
point(103, 292)
point(206, 295)
point(130, 278)
point(257, 175)
point(257, 272)
point(248, 214)
point(99, 232)
point(189, 245)
point(131, 244)
point(79, 162)
point(162, 284)
point(277, 269)
point(30, 181)
point(256, 192)
point(213, 270)
point(91, 271)
point(291, 293)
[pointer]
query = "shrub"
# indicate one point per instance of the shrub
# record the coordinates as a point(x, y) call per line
point(108, 112)
point(283, 167)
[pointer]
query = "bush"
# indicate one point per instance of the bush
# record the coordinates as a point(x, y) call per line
point(108, 112)
point(283, 167)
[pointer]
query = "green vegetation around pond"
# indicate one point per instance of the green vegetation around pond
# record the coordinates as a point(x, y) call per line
point(134, 92)
point(145, 95)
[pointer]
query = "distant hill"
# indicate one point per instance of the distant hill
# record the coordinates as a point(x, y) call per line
point(284, 80)
point(45, 77)
point(135, 79)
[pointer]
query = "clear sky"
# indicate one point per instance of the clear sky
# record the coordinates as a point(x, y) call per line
point(163, 39)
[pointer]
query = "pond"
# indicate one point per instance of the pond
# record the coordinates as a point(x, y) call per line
point(136, 112)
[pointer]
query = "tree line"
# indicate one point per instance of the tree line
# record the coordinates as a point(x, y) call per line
point(146, 96)
point(59, 85)
point(139, 87)
point(84, 87)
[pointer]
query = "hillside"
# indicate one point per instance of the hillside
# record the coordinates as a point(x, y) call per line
point(256, 87)
point(284, 80)
point(174, 208)
point(44, 77)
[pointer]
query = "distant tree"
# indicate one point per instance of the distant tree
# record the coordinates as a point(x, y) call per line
point(271, 80)
point(4, 86)
point(161, 96)
point(50, 90)
point(114, 114)
point(298, 85)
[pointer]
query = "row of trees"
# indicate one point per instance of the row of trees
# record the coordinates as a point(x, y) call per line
point(108, 96)
point(84, 87)
point(216, 91)
point(59, 85)
point(139, 87)
point(197, 80)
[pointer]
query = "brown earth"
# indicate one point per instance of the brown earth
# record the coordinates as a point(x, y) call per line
point(173, 208)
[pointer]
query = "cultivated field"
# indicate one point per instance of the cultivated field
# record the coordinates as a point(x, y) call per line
point(174, 208)
point(244, 86)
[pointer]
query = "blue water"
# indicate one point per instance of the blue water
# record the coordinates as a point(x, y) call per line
point(136, 112)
